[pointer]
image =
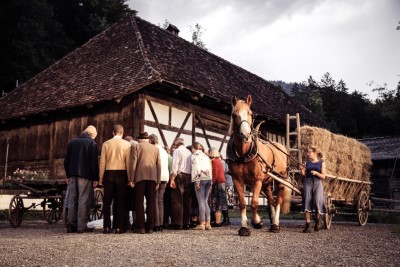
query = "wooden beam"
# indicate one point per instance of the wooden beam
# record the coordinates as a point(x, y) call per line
point(176, 129)
point(157, 123)
point(223, 142)
point(204, 130)
point(183, 125)
point(169, 116)
point(138, 115)
point(52, 146)
point(184, 105)
point(193, 126)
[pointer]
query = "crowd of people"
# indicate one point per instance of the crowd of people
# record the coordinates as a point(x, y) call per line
point(185, 188)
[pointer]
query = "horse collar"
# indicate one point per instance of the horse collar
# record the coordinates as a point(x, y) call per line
point(232, 154)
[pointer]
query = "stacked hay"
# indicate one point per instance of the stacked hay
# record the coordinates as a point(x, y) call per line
point(343, 156)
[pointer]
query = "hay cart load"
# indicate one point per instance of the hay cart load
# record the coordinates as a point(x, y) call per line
point(348, 162)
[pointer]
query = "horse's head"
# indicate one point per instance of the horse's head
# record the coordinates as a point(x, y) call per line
point(242, 119)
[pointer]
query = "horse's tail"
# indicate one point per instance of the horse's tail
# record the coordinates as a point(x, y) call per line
point(287, 193)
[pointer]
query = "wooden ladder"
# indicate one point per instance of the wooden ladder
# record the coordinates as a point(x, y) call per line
point(296, 148)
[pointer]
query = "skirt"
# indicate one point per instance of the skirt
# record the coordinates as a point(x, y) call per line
point(218, 197)
point(230, 196)
point(313, 196)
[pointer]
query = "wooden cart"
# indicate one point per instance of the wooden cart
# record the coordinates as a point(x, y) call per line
point(52, 195)
point(342, 195)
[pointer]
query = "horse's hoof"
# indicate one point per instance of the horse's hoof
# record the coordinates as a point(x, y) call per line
point(274, 228)
point(244, 231)
point(257, 225)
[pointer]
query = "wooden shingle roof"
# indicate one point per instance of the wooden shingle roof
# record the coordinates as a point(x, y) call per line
point(383, 148)
point(132, 54)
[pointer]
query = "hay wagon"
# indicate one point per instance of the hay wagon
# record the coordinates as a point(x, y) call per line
point(51, 194)
point(343, 195)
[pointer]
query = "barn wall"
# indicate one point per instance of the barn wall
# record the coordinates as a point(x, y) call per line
point(203, 126)
point(169, 119)
point(41, 144)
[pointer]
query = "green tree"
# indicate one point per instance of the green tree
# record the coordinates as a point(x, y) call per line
point(31, 38)
point(315, 99)
point(197, 33)
point(37, 33)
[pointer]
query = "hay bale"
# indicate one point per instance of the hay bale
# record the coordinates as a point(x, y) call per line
point(344, 156)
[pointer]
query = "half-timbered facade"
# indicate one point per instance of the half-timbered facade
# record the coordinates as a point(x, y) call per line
point(143, 77)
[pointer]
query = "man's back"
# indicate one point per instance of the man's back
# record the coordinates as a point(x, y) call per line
point(82, 158)
point(181, 160)
point(115, 155)
point(146, 163)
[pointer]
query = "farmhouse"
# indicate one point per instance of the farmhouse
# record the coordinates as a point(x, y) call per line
point(385, 172)
point(143, 77)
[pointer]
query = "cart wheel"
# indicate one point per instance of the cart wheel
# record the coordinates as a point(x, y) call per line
point(330, 211)
point(363, 208)
point(96, 213)
point(16, 211)
point(52, 209)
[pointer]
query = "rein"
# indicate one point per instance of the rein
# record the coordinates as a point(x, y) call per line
point(287, 154)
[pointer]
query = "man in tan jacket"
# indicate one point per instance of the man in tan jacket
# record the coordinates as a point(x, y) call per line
point(114, 162)
point(145, 176)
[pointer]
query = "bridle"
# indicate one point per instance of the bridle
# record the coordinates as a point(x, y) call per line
point(237, 128)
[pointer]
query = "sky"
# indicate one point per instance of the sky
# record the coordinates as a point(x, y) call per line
point(289, 40)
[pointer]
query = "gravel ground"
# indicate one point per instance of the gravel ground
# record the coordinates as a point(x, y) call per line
point(345, 244)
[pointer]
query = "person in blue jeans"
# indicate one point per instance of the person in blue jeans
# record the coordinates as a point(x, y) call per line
point(201, 177)
point(313, 187)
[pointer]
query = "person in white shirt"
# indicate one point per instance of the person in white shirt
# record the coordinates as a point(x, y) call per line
point(202, 178)
point(159, 217)
point(181, 184)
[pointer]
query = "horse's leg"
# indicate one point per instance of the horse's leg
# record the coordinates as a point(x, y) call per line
point(264, 189)
point(256, 220)
point(273, 210)
point(239, 187)
point(279, 201)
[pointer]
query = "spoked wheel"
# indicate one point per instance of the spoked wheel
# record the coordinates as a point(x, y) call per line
point(363, 208)
point(96, 213)
point(52, 209)
point(16, 211)
point(330, 212)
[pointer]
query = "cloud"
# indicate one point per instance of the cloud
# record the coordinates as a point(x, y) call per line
point(291, 39)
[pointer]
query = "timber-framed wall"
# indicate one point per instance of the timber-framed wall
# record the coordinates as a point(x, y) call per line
point(40, 142)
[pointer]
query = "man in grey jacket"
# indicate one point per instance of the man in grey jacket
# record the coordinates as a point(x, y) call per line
point(145, 176)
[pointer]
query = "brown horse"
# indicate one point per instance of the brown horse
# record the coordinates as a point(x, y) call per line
point(249, 161)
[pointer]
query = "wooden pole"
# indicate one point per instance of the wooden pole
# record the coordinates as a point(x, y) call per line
point(6, 164)
point(284, 182)
point(298, 138)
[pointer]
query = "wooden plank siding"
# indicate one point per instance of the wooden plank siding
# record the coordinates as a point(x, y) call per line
point(40, 143)
point(43, 145)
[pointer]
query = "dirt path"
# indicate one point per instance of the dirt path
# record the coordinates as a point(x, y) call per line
point(38, 244)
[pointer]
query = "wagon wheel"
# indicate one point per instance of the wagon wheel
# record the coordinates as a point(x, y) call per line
point(16, 211)
point(52, 209)
point(96, 213)
point(363, 208)
point(330, 211)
